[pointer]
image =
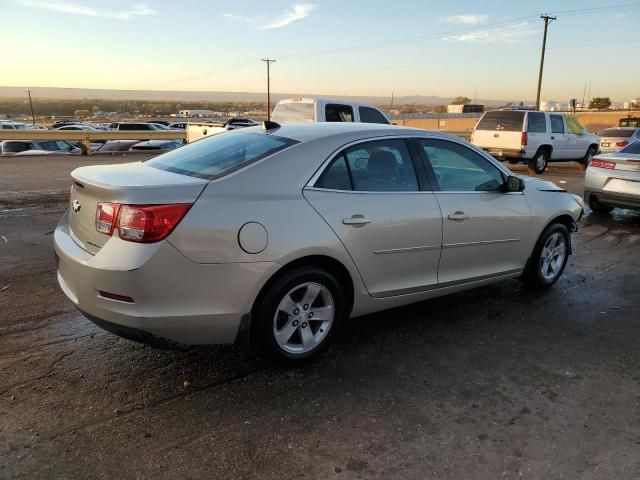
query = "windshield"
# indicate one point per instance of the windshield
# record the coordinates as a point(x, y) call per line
point(616, 132)
point(507, 121)
point(293, 113)
point(218, 155)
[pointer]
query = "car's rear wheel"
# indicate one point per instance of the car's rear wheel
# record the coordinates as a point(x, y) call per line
point(297, 316)
point(598, 207)
point(538, 164)
point(549, 257)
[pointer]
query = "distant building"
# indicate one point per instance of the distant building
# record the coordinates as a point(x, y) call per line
point(468, 108)
point(197, 113)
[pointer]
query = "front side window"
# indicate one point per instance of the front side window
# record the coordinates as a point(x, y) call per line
point(338, 113)
point(536, 122)
point(557, 125)
point(371, 115)
point(460, 169)
point(376, 166)
point(218, 155)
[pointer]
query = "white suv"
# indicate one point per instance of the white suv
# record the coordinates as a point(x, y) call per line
point(535, 138)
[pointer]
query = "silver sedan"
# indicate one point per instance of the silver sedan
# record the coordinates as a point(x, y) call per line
point(613, 180)
point(274, 236)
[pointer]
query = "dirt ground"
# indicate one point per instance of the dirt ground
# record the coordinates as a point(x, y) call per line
point(497, 382)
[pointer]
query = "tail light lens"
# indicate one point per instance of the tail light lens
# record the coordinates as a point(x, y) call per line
point(140, 223)
point(623, 143)
point(599, 163)
point(524, 139)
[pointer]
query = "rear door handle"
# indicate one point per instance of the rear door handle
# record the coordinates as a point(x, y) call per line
point(356, 220)
point(458, 216)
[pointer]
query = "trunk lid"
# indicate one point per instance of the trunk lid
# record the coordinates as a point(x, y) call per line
point(130, 183)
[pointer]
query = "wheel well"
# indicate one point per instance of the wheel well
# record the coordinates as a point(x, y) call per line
point(565, 220)
point(323, 262)
point(548, 148)
point(596, 146)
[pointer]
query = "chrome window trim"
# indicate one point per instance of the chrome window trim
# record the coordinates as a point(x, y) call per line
point(427, 136)
point(366, 192)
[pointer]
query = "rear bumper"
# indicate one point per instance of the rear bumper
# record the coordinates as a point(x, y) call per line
point(614, 188)
point(506, 152)
point(175, 300)
point(611, 199)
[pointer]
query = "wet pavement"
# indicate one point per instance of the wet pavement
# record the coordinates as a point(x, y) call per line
point(497, 382)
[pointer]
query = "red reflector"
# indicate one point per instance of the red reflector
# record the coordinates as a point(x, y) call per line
point(597, 162)
point(149, 223)
point(106, 214)
point(115, 296)
point(623, 143)
point(525, 138)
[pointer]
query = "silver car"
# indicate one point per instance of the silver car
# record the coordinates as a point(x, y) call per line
point(613, 180)
point(614, 139)
point(273, 236)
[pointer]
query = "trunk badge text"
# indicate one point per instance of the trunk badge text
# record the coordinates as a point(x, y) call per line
point(75, 205)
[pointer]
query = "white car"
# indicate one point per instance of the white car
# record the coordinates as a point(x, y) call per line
point(613, 139)
point(536, 138)
point(306, 110)
point(11, 125)
point(275, 235)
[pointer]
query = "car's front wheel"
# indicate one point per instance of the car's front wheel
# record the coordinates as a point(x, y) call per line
point(549, 257)
point(538, 163)
point(296, 318)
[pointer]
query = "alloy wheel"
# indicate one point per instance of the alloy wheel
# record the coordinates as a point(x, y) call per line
point(553, 256)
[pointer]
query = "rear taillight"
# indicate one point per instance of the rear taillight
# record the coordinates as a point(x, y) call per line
point(524, 139)
point(140, 223)
point(599, 163)
point(106, 215)
point(621, 144)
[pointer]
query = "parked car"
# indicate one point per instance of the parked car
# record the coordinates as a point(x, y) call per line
point(156, 145)
point(305, 110)
point(11, 125)
point(629, 122)
point(179, 125)
point(536, 138)
point(113, 146)
point(78, 127)
point(198, 130)
point(36, 147)
point(133, 126)
point(161, 122)
point(613, 139)
point(613, 180)
point(256, 235)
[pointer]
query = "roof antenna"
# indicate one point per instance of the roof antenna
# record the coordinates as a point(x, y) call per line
point(269, 125)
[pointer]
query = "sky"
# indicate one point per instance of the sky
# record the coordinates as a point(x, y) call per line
point(488, 49)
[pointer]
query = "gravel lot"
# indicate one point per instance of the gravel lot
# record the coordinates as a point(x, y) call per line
point(496, 382)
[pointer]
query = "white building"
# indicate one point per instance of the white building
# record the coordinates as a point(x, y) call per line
point(197, 113)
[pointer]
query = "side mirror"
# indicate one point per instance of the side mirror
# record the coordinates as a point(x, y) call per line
point(514, 184)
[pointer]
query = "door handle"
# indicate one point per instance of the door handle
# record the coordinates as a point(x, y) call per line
point(356, 220)
point(553, 138)
point(458, 216)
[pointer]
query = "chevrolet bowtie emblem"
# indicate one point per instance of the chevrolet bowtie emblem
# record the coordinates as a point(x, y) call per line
point(75, 205)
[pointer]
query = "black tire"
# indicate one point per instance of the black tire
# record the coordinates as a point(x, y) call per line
point(532, 275)
point(264, 313)
point(584, 163)
point(538, 164)
point(597, 207)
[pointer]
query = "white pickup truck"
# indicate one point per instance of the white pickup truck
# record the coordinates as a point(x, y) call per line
point(535, 138)
point(307, 110)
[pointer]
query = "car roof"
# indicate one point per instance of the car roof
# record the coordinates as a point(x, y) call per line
point(305, 132)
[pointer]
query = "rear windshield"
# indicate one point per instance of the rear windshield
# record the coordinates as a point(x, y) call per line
point(632, 148)
point(507, 121)
point(616, 132)
point(219, 155)
point(293, 113)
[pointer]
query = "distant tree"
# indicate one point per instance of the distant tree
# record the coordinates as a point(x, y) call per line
point(600, 103)
point(440, 109)
point(81, 113)
point(460, 101)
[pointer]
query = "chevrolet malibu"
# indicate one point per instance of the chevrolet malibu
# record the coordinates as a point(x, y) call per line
point(274, 236)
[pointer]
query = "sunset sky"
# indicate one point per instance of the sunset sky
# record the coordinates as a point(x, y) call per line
point(370, 47)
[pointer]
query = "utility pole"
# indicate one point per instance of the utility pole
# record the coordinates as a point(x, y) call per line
point(546, 19)
point(268, 61)
point(33, 117)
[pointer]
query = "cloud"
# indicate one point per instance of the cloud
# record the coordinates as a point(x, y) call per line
point(511, 34)
point(138, 10)
point(467, 19)
point(292, 14)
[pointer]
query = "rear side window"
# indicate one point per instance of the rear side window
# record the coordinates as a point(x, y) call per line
point(557, 125)
point(616, 132)
point(219, 155)
point(371, 115)
point(503, 120)
point(336, 177)
point(338, 113)
point(536, 122)
point(632, 148)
